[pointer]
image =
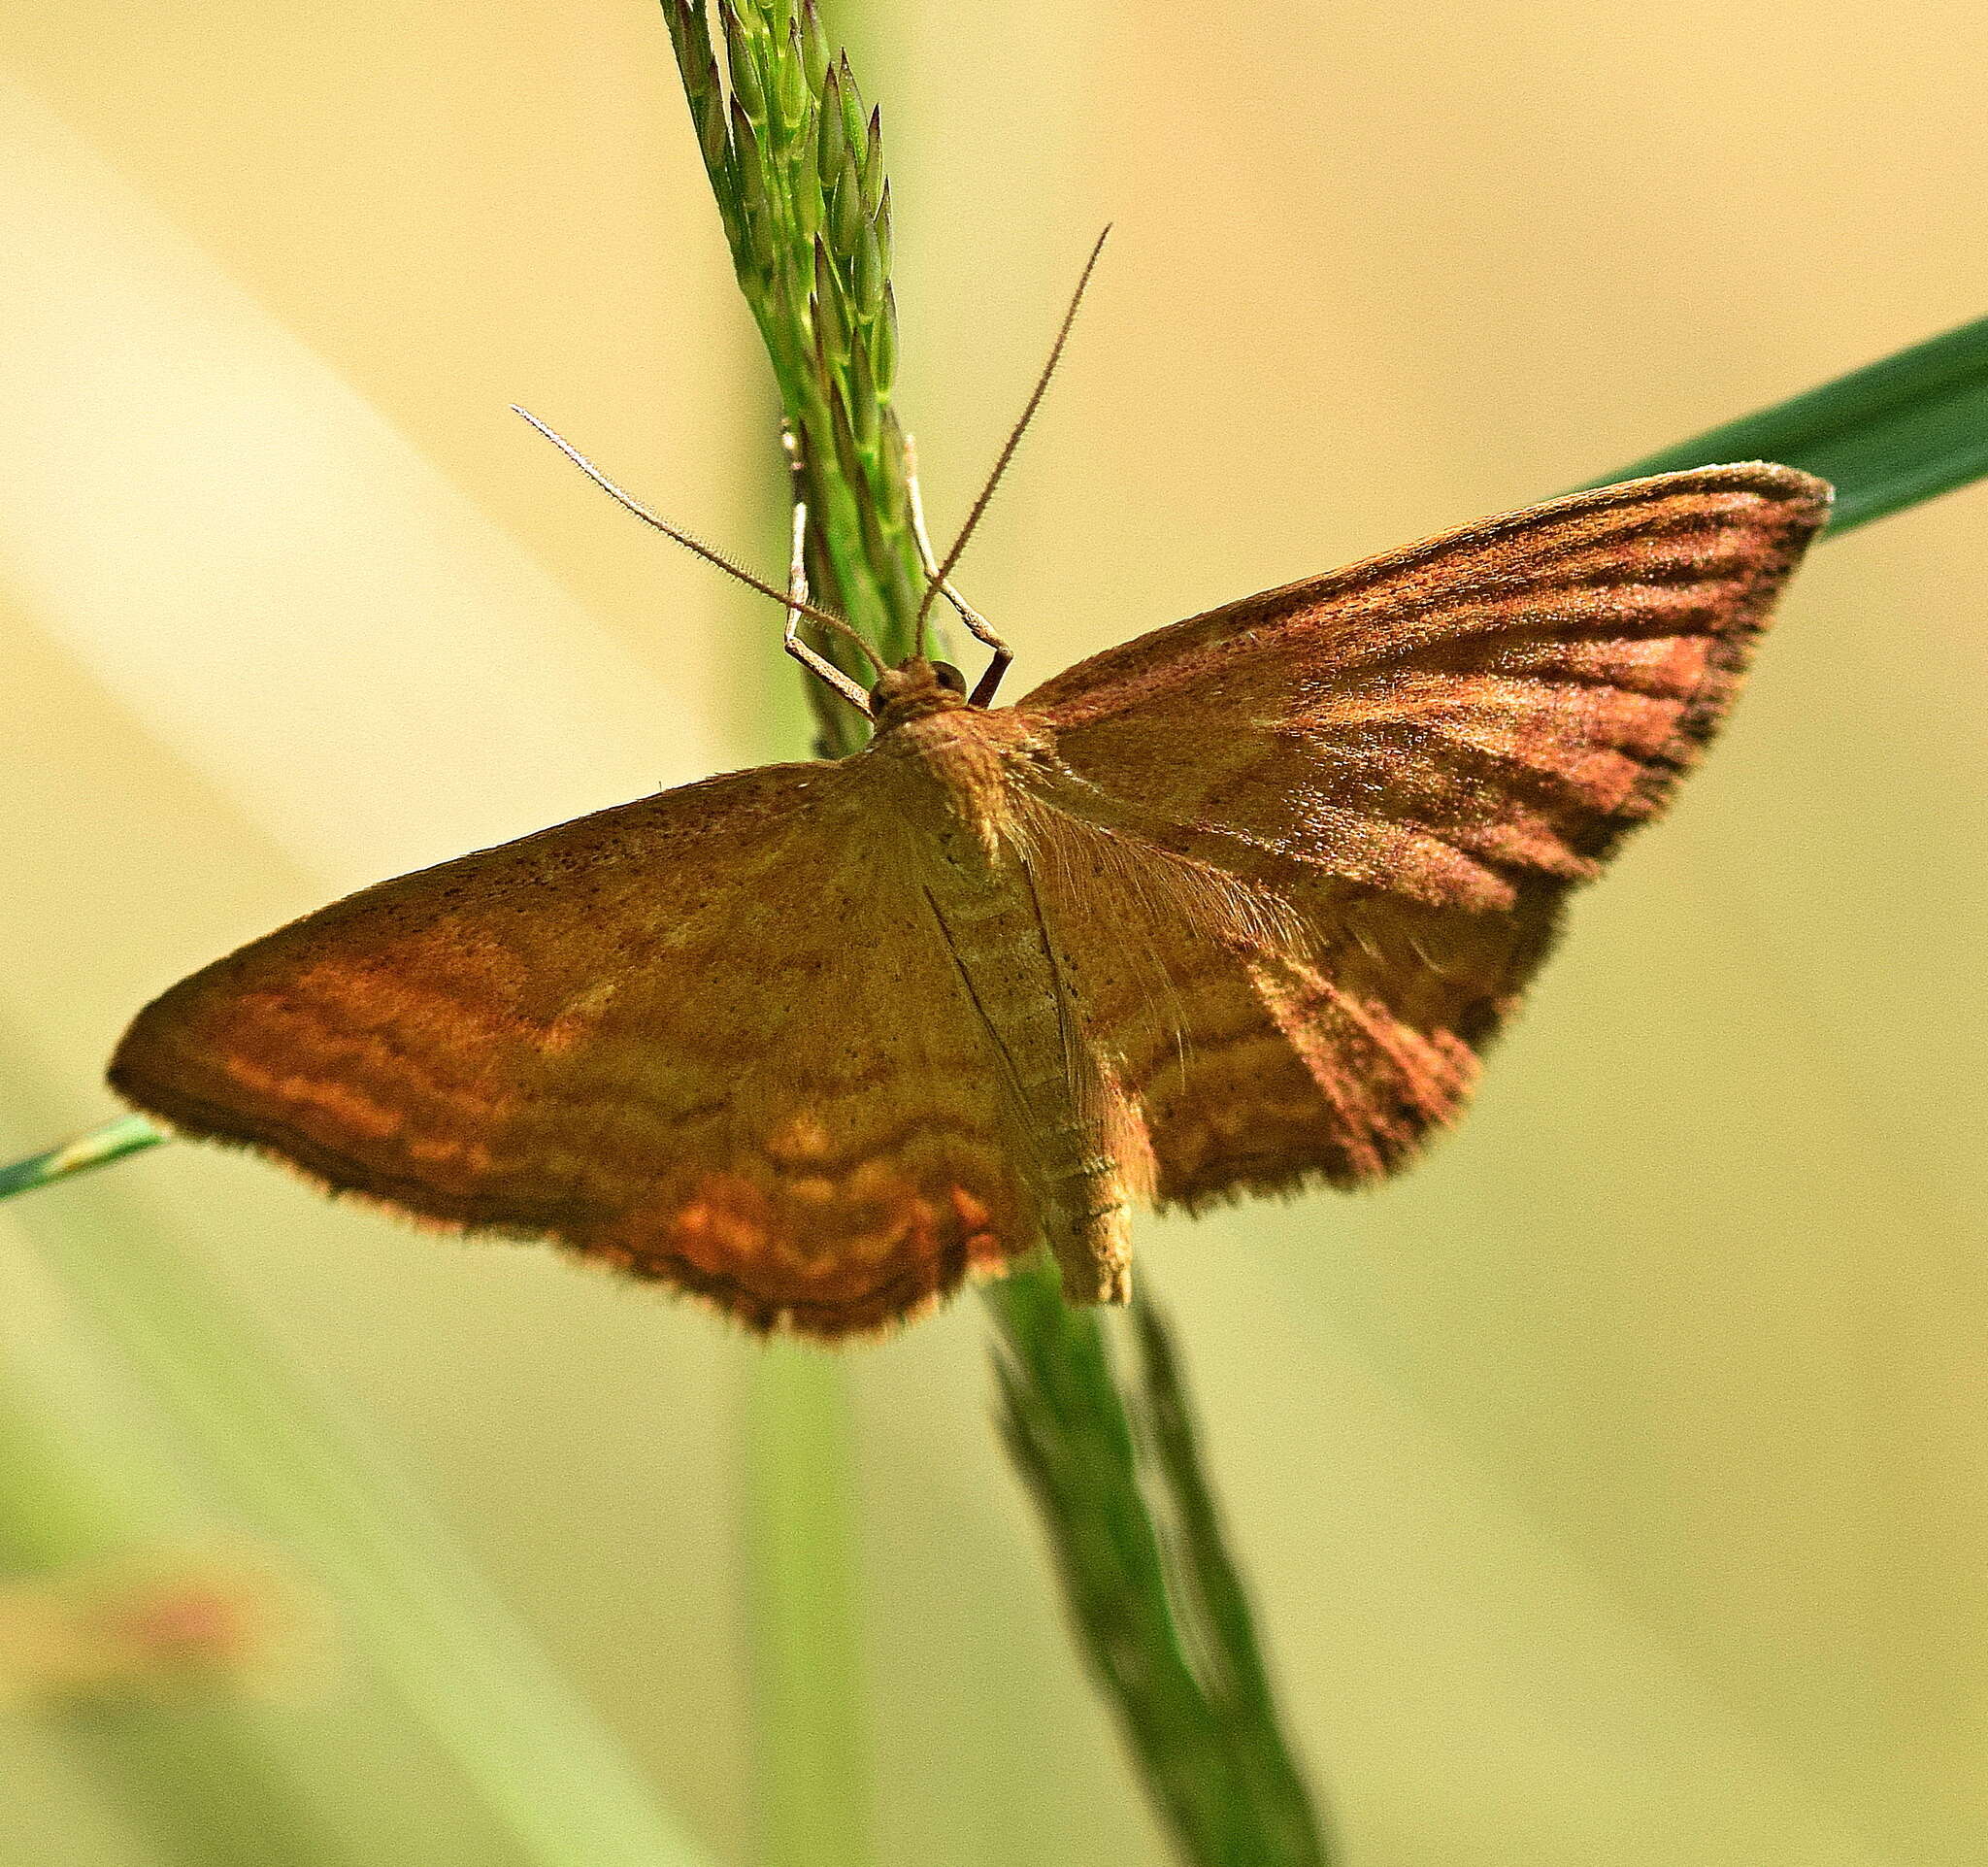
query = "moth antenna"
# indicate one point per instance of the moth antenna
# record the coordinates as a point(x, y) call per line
point(989, 683)
point(698, 548)
point(1020, 428)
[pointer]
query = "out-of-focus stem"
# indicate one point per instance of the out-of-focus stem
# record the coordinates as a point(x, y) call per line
point(813, 1762)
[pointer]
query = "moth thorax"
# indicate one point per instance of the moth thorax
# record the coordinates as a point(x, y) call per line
point(958, 772)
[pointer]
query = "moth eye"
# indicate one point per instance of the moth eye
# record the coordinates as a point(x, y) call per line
point(950, 676)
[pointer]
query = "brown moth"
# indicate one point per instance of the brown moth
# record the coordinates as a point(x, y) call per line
point(1230, 909)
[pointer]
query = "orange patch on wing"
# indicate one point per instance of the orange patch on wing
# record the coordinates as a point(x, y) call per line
point(820, 1252)
point(351, 1108)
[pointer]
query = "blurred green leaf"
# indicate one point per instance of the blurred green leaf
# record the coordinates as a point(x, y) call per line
point(813, 1764)
point(552, 1778)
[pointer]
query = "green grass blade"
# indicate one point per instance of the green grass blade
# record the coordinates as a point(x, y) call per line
point(1887, 436)
point(127, 1135)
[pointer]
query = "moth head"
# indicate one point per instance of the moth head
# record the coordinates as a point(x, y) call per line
point(915, 688)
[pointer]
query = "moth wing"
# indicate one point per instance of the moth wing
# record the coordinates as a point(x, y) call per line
point(712, 1037)
point(1330, 827)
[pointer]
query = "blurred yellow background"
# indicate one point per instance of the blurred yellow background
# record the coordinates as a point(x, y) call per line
point(1612, 1488)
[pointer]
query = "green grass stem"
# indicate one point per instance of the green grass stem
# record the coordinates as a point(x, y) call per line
point(1154, 1597)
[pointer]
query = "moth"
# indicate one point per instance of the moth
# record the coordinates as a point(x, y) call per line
point(1231, 909)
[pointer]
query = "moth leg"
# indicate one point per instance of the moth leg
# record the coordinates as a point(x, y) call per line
point(818, 665)
point(976, 624)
